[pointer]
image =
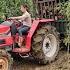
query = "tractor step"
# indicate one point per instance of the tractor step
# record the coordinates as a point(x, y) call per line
point(21, 50)
point(24, 56)
point(28, 56)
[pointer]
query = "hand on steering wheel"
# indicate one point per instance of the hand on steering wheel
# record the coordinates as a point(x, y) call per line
point(16, 22)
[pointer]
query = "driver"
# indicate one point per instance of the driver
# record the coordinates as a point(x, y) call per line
point(26, 20)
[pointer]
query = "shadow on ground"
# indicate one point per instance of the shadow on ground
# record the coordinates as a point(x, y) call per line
point(61, 63)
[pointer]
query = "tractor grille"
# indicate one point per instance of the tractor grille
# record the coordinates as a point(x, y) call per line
point(2, 41)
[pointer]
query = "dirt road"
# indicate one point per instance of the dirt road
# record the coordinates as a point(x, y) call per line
point(61, 63)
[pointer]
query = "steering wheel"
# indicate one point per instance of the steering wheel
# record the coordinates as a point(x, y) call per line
point(16, 22)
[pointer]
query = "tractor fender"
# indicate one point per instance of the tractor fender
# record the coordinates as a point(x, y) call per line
point(33, 29)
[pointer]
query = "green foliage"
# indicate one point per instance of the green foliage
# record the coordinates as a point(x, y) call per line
point(67, 14)
point(11, 7)
point(64, 9)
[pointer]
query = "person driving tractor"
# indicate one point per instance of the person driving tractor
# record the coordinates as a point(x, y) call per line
point(25, 20)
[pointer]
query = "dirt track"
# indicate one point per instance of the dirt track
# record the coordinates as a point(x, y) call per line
point(62, 63)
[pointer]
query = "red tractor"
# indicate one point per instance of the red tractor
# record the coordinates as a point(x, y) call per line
point(41, 41)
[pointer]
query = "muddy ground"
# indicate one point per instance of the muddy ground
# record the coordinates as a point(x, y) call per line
point(61, 63)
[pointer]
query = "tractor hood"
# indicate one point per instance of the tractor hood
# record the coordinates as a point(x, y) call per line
point(4, 29)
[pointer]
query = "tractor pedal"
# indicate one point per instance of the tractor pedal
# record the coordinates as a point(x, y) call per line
point(27, 56)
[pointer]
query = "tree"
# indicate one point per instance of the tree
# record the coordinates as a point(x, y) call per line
point(10, 8)
point(65, 10)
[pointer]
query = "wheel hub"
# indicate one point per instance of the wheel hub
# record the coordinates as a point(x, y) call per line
point(46, 45)
point(3, 64)
point(49, 45)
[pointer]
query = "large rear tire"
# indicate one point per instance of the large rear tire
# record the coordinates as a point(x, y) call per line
point(45, 45)
point(5, 60)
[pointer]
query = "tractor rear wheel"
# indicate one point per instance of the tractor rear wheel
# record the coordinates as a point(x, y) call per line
point(45, 45)
point(5, 61)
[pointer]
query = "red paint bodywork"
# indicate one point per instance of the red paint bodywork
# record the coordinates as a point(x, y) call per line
point(10, 40)
point(4, 29)
point(3, 36)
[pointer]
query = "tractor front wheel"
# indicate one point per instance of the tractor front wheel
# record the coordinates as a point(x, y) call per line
point(5, 61)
